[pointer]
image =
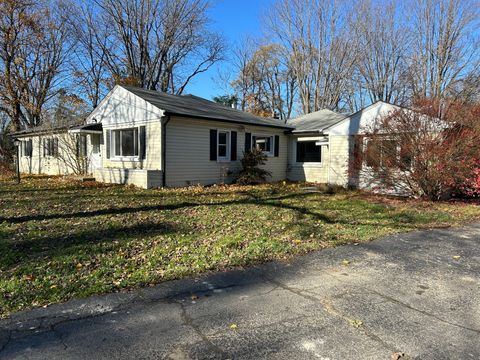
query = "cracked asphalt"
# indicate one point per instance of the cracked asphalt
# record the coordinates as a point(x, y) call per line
point(417, 294)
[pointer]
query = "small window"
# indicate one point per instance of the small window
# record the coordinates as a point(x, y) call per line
point(264, 143)
point(27, 148)
point(125, 142)
point(381, 152)
point(223, 145)
point(50, 147)
point(95, 139)
point(308, 151)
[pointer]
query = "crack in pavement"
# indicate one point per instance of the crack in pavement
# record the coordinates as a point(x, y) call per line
point(329, 308)
point(405, 305)
point(188, 321)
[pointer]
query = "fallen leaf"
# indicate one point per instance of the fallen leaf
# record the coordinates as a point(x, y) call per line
point(397, 355)
point(456, 257)
point(356, 323)
point(194, 297)
point(345, 262)
point(233, 326)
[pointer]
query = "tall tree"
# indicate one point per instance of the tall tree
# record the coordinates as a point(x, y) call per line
point(265, 84)
point(159, 44)
point(35, 44)
point(382, 53)
point(443, 49)
point(322, 54)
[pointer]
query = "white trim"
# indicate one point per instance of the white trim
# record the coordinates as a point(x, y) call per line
point(270, 153)
point(226, 158)
point(114, 156)
point(308, 163)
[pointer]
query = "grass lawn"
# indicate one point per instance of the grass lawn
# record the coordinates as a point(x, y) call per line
point(61, 239)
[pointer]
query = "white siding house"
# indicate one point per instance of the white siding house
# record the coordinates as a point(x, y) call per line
point(151, 139)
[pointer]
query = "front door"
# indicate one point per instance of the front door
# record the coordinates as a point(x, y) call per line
point(96, 155)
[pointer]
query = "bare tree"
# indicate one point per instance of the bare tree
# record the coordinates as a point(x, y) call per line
point(159, 44)
point(265, 84)
point(383, 43)
point(89, 63)
point(443, 49)
point(34, 47)
point(322, 53)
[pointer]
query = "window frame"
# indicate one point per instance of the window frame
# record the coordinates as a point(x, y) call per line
point(51, 144)
point(136, 144)
point(227, 157)
point(270, 153)
point(308, 162)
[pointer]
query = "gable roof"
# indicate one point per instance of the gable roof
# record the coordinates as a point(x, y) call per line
point(197, 107)
point(316, 121)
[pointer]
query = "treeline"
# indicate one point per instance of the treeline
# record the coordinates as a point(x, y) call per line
point(59, 57)
point(343, 56)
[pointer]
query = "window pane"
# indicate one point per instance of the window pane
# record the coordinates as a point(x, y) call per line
point(263, 143)
point(222, 138)
point(308, 151)
point(117, 143)
point(222, 150)
point(128, 148)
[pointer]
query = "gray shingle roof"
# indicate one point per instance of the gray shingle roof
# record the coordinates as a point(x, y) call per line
point(316, 121)
point(196, 107)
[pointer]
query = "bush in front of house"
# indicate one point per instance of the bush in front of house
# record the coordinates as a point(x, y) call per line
point(251, 173)
point(429, 152)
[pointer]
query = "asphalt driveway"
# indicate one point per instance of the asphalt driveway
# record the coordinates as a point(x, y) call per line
point(416, 295)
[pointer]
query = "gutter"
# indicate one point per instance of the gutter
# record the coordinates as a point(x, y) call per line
point(164, 149)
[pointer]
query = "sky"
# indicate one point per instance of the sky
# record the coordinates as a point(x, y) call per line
point(234, 19)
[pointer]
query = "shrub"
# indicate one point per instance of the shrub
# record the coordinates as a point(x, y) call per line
point(251, 173)
point(431, 152)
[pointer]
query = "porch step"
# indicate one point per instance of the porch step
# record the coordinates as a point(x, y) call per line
point(87, 178)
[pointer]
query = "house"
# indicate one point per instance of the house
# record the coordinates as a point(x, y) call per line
point(152, 139)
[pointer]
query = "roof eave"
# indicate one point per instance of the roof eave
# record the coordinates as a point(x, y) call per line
point(171, 113)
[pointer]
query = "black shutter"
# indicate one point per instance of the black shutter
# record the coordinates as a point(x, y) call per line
point(44, 147)
point(233, 146)
point(277, 146)
point(248, 142)
point(213, 144)
point(107, 143)
point(142, 139)
point(30, 147)
point(55, 147)
point(77, 146)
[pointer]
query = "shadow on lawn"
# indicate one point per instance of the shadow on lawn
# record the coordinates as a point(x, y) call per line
point(67, 244)
point(254, 200)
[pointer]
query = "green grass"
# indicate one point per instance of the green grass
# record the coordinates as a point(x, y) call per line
point(61, 239)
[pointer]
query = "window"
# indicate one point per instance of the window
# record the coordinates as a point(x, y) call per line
point(82, 146)
point(50, 147)
point(27, 148)
point(264, 143)
point(95, 144)
point(223, 146)
point(381, 152)
point(125, 142)
point(308, 151)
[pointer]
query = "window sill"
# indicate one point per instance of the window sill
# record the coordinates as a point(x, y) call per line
point(309, 164)
point(223, 161)
point(125, 158)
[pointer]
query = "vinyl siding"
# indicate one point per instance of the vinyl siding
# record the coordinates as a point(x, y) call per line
point(340, 148)
point(309, 172)
point(63, 164)
point(188, 152)
point(153, 153)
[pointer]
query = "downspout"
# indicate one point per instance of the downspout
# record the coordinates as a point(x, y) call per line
point(329, 160)
point(164, 149)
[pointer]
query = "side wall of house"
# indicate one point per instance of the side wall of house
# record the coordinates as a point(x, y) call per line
point(188, 152)
point(65, 162)
point(309, 172)
point(341, 150)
